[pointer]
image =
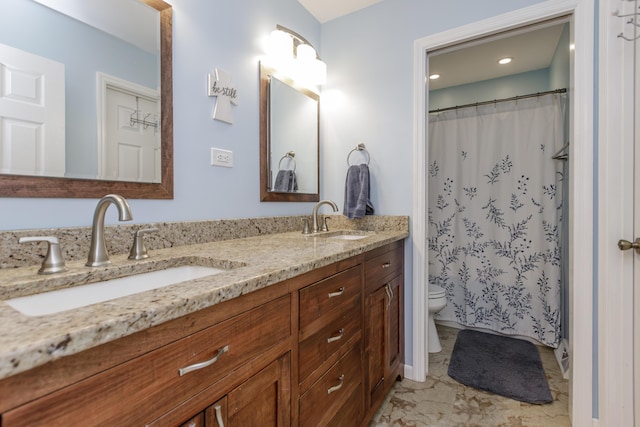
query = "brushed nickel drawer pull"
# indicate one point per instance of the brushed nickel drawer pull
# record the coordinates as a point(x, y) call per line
point(204, 364)
point(218, 409)
point(387, 289)
point(336, 387)
point(336, 337)
point(337, 293)
point(386, 264)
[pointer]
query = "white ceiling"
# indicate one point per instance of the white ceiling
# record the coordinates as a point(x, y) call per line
point(531, 49)
point(326, 10)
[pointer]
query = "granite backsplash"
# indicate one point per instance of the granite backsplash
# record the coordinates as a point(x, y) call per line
point(74, 241)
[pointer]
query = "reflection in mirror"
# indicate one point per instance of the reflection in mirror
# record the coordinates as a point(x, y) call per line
point(112, 118)
point(289, 135)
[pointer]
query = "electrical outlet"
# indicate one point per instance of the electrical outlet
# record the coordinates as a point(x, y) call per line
point(221, 157)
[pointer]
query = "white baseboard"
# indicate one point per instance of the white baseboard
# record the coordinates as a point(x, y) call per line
point(408, 374)
point(562, 357)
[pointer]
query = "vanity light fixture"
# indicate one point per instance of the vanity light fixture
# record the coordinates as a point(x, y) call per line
point(505, 61)
point(295, 56)
point(434, 76)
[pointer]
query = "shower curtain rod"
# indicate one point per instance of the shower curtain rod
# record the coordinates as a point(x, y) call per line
point(513, 98)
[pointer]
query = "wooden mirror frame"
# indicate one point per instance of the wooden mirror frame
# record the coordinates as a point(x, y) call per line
point(265, 194)
point(35, 186)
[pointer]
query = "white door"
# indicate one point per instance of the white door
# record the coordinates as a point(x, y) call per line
point(132, 151)
point(32, 114)
point(636, 232)
point(635, 285)
point(619, 212)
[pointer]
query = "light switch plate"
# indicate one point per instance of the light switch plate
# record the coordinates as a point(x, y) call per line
point(221, 157)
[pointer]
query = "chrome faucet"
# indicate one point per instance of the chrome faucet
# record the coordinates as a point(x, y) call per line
point(314, 215)
point(98, 250)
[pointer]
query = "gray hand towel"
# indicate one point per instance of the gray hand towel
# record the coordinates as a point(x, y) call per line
point(286, 181)
point(356, 193)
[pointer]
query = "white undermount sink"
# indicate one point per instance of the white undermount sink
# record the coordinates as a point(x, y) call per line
point(92, 293)
point(348, 237)
point(342, 235)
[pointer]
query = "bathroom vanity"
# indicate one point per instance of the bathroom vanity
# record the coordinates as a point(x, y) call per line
point(312, 334)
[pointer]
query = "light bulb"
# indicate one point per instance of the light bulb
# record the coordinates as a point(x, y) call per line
point(306, 53)
point(319, 72)
point(281, 45)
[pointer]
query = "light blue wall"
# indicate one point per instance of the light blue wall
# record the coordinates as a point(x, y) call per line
point(486, 90)
point(369, 98)
point(206, 35)
point(560, 67)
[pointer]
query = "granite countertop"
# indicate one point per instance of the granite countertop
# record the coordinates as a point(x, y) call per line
point(250, 264)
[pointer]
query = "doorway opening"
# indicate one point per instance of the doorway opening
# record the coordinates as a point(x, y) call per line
point(580, 90)
point(498, 163)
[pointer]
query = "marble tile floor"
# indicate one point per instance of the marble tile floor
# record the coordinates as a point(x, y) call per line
point(443, 402)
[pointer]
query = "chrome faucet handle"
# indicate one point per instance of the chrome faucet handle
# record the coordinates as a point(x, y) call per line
point(138, 249)
point(305, 226)
point(53, 260)
point(324, 227)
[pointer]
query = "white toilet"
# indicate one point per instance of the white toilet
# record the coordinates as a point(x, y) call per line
point(437, 301)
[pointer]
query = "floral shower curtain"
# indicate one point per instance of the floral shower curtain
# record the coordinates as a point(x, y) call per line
point(495, 208)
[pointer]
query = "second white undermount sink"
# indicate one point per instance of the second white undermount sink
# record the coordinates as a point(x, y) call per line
point(348, 237)
point(342, 235)
point(92, 293)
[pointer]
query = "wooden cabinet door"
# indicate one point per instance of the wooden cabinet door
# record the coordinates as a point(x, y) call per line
point(263, 400)
point(377, 344)
point(216, 414)
point(395, 317)
point(385, 338)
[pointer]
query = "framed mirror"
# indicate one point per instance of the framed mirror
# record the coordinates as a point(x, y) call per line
point(289, 140)
point(93, 151)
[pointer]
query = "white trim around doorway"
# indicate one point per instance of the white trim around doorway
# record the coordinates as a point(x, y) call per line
point(581, 191)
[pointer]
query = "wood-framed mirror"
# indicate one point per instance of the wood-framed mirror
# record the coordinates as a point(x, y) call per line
point(289, 140)
point(65, 185)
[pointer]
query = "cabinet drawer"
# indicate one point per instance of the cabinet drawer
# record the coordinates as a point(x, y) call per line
point(352, 411)
point(383, 267)
point(320, 346)
point(143, 388)
point(323, 400)
point(328, 299)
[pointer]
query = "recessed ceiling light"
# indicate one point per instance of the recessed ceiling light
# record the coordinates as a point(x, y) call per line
point(505, 61)
point(434, 76)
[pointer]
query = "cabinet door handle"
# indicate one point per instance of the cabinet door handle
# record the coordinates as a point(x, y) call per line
point(218, 409)
point(204, 364)
point(336, 293)
point(387, 289)
point(386, 264)
point(336, 337)
point(336, 387)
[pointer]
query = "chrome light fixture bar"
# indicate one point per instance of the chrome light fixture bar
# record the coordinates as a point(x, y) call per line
point(297, 56)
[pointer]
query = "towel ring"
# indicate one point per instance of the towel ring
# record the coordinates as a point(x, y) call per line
point(289, 155)
point(359, 147)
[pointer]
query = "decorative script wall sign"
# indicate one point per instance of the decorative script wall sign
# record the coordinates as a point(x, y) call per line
point(220, 86)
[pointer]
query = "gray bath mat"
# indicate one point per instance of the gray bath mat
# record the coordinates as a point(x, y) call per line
point(506, 366)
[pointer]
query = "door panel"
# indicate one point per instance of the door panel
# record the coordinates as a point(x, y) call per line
point(636, 230)
point(32, 114)
point(132, 149)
